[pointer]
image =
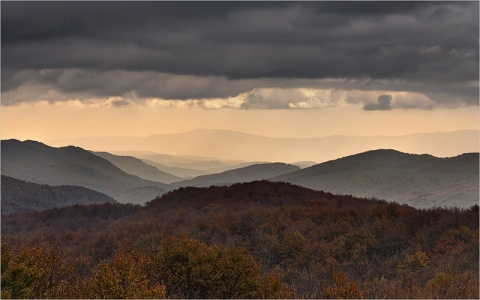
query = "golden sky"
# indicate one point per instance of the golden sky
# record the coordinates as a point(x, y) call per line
point(45, 121)
point(277, 69)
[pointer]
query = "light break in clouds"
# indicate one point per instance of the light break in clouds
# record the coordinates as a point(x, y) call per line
point(244, 55)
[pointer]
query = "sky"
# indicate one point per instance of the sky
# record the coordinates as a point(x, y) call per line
point(282, 69)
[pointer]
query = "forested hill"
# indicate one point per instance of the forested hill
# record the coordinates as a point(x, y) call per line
point(21, 196)
point(39, 163)
point(245, 174)
point(418, 180)
point(286, 242)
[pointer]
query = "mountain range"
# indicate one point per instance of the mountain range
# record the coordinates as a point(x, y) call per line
point(416, 180)
point(38, 163)
point(19, 196)
point(186, 166)
point(233, 145)
point(244, 174)
point(135, 166)
point(185, 173)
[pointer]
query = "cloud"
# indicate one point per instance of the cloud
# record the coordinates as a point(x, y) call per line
point(430, 49)
point(403, 100)
point(85, 84)
point(384, 103)
point(395, 100)
point(120, 103)
point(286, 98)
point(210, 50)
point(303, 98)
point(272, 98)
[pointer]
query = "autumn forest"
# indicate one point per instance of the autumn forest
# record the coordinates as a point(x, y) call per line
point(240, 149)
point(249, 240)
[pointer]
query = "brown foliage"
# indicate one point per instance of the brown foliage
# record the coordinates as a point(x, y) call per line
point(259, 239)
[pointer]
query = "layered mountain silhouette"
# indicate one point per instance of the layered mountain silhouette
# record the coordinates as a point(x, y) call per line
point(233, 145)
point(189, 163)
point(19, 196)
point(244, 174)
point(417, 180)
point(135, 166)
point(36, 162)
point(185, 173)
point(186, 166)
point(204, 163)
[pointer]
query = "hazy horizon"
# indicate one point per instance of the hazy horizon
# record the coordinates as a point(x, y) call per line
point(73, 70)
point(235, 145)
point(251, 133)
point(279, 149)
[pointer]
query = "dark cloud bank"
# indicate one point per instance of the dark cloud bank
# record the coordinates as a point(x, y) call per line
point(184, 50)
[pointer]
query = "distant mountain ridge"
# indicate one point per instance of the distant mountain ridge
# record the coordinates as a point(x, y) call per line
point(186, 166)
point(233, 145)
point(244, 174)
point(19, 196)
point(176, 171)
point(36, 162)
point(417, 180)
point(135, 166)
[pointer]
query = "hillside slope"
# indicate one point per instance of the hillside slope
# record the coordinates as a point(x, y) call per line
point(135, 166)
point(417, 180)
point(311, 240)
point(19, 196)
point(36, 162)
point(176, 171)
point(245, 174)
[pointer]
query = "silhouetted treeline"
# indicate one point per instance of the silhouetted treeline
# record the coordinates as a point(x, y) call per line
point(252, 240)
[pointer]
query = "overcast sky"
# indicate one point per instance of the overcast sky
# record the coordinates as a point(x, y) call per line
point(372, 56)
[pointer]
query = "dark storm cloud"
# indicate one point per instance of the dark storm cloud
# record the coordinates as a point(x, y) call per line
point(75, 47)
point(384, 103)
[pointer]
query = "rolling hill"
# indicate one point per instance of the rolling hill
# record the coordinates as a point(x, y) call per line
point(185, 166)
point(418, 180)
point(245, 174)
point(135, 166)
point(36, 162)
point(19, 196)
point(304, 237)
point(186, 173)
